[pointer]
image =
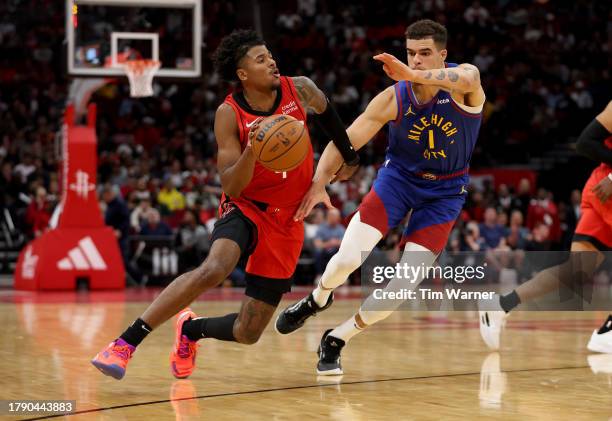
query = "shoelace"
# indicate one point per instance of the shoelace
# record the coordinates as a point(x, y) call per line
point(123, 351)
point(187, 348)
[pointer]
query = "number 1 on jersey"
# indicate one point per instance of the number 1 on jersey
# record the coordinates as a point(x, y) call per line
point(431, 140)
point(284, 173)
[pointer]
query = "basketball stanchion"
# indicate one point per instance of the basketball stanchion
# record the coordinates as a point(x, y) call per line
point(81, 249)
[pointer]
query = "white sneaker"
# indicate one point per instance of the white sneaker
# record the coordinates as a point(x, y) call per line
point(601, 340)
point(492, 319)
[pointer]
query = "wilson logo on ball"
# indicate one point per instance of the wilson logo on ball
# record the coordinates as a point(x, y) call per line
point(282, 143)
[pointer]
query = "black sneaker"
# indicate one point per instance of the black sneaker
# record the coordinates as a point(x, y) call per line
point(329, 355)
point(293, 317)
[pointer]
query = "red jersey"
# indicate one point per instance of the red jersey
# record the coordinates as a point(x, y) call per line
point(277, 189)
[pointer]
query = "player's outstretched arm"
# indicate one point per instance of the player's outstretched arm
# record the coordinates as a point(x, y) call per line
point(328, 120)
point(235, 166)
point(381, 110)
point(464, 78)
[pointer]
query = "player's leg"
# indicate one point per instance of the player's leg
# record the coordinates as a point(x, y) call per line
point(263, 296)
point(425, 237)
point(231, 237)
point(550, 279)
point(375, 215)
point(246, 326)
point(224, 255)
point(371, 311)
point(584, 260)
point(359, 238)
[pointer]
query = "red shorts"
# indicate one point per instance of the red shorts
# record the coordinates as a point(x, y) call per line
point(596, 220)
point(279, 241)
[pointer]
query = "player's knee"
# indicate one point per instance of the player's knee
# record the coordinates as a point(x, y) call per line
point(211, 273)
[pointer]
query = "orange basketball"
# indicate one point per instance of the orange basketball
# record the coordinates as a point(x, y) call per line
point(281, 142)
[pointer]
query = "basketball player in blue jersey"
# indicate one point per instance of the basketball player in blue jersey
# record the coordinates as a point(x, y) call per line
point(433, 114)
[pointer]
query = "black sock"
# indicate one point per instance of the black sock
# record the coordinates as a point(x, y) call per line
point(221, 328)
point(508, 302)
point(136, 333)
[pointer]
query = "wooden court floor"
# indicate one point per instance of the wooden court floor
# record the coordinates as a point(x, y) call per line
point(420, 366)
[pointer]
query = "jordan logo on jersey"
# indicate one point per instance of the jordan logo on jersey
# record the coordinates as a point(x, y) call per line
point(409, 111)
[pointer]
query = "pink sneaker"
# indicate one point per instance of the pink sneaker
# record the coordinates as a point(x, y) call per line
point(183, 355)
point(114, 359)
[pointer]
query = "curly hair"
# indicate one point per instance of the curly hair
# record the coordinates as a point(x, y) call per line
point(231, 49)
point(426, 28)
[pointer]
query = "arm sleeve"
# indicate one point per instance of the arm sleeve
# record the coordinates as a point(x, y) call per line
point(591, 143)
point(330, 123)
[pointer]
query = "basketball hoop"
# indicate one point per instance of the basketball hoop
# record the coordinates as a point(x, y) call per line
point(140, 74)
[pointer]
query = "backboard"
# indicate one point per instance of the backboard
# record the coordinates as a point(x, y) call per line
point(101, 34)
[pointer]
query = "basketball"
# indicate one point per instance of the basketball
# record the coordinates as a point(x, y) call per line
point(281, 142)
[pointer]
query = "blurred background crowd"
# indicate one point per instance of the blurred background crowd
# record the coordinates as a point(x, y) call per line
point(545, 67)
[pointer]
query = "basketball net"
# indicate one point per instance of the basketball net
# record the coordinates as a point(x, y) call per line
point(140, 73)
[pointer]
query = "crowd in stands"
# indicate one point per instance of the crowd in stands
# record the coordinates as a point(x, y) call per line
point(545, 67)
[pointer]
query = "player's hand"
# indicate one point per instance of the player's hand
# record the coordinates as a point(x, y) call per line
point(315, 195)
point(345, 172)
point(395, 68)
point(603, 189)
point(253, 130)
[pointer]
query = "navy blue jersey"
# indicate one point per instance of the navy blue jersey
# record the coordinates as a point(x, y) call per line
point(436, 137)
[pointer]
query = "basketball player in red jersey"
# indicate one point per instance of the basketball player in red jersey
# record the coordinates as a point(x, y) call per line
point(255, 216)
point(593, 234)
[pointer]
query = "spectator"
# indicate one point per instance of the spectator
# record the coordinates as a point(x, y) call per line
point(193, 241)
point(543, 210)
point(476, 14)
point(471, 240)
point(154, 225)
point(523, 196)
point(484, 59)
point(38, 213)
point(117, 216)
point(504, 199)
point(170, 198)
point(141, 191)
point(10, 186)
point(517, 233)
point(138, 217)
point(312, 223)
point(25, 168)
point(327, 240)
point(490, 230)
point(474, 205)
point(540, 238)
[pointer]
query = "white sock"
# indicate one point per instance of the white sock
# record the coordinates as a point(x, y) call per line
point(359, 238)
point(346, 330)
point(321, 294)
